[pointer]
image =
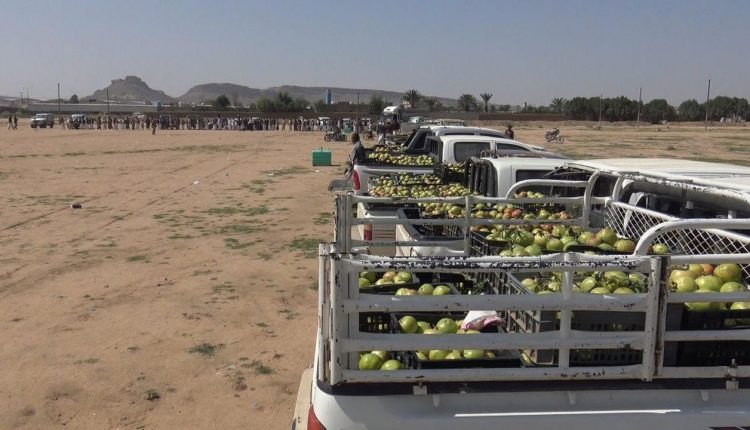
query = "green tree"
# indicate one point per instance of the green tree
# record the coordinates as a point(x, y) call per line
point(320, 106)
point(486, 99)
point(691, 110)
point(430, 103)
point(74, 98)
point(728, 107)
point(412, 97)
point(299, 105)
point(264, 104)
point(284, 101)
point(619, 109)
point(222, 102)
point(658, 110)
point(377, 104)
point(580, 108)
point(558, 104)
point(467, 103)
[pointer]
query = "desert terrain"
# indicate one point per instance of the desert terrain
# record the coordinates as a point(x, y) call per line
point(182, 294)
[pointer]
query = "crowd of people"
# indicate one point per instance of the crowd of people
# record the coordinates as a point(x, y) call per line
point(194, 122)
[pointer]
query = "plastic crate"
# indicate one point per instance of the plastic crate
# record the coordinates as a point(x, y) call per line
point(461, 282)
point(388, 289)
point(376, 322)
point(713, 353)
point(502, 359)
point(427, 229)
point(535, 321)
point(453, 231)
point(391, 288)
point(448, 176)
point(481, 246)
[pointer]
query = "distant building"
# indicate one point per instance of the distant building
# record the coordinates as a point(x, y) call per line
point(328, 98)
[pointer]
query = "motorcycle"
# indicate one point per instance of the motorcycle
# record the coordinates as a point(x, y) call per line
point(335, 135)
point(554, 136)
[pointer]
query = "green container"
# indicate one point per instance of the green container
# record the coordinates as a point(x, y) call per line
point(321, 157)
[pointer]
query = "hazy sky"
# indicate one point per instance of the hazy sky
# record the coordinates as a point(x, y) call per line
point(521, 51)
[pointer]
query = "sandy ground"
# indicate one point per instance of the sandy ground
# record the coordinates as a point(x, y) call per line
point(182, 294)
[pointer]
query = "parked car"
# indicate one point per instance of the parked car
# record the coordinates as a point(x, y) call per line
point(77, 120)
point(43, 120)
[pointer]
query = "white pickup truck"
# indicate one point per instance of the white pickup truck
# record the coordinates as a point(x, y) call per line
point(417, 144)
point(662, 356)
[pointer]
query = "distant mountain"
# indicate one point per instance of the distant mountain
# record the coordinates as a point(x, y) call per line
point(209, 92)
point(133, 89)
point(247, 95)
point(130, 89)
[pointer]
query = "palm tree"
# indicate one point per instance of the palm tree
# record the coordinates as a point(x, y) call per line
point(412, 97)
point(558, 104)
point(467, 103)
point(486, 97)
point(430, 102)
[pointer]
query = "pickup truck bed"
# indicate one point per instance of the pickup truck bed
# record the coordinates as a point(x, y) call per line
point(363, 173)
point(545, 409)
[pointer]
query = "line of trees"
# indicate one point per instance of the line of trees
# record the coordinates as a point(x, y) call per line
point(612, 108)
point(655, 111)
point(619, 108)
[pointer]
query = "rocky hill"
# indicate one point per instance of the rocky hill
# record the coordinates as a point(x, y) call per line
point(247, 95)
point(134, 89)
point(130, 89)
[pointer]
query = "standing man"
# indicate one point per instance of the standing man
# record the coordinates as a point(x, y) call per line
point(15, 122)
point(153, 127)
point(509, 132)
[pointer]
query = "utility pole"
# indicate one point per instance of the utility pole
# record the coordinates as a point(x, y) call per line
point(600, 110)
point(638, 117)
point(59, 111)
point(28, 100)
point(708, 96)
point(107, 100)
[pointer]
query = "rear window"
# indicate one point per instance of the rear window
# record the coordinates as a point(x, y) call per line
point(462, 151)
point(492, 134)
point(510, 147)
point(522, 175)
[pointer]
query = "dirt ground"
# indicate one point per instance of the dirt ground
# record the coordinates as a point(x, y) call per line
point(183, 293)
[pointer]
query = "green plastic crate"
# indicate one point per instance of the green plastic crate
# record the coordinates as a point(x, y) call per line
point(321, 157)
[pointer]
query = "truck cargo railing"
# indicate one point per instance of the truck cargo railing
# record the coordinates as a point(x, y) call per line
point(342, 307)
point(346, 218)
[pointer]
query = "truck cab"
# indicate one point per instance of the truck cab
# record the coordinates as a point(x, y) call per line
point(451, 147)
